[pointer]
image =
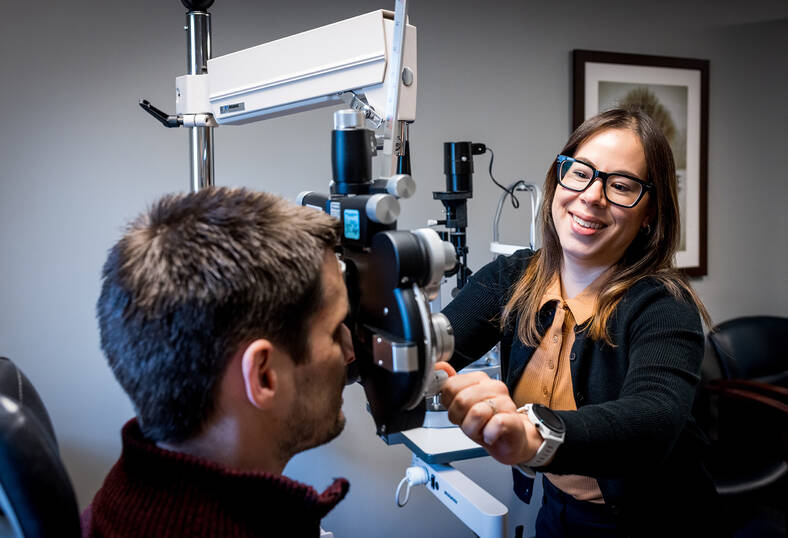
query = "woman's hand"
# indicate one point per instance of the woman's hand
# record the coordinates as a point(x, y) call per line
point(482, 408)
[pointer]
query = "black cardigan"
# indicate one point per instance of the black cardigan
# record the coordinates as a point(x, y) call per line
point(633, 430)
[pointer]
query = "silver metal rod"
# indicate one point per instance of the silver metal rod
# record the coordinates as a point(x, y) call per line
point(404, 136)
point(201, 157)
point(198, 50)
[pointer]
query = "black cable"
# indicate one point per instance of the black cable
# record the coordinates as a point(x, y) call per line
point(464, 356)
point(510, 192)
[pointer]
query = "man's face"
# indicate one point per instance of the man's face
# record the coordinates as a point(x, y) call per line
point(316, 415)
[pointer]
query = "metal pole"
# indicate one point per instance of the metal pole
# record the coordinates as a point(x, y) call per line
point(198, 47)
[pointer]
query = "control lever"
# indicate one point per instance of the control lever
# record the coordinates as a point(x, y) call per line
point(163, 117)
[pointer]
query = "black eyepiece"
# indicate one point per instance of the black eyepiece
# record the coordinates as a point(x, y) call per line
point(197, 5)
point(458, 166)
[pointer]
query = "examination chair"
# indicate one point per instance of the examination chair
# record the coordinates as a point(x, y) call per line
point(36, 496)
point(743, 406)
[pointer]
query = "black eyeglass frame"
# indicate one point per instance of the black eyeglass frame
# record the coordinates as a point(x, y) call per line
point(603, 177)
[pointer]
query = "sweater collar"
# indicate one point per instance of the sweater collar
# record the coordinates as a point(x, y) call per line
point(582, 305)
point(141, 453)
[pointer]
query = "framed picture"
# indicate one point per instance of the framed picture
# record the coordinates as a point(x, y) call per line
point(675, 92)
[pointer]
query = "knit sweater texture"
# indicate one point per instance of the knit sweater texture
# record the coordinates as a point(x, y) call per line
point(633, 430)
point(155, 492)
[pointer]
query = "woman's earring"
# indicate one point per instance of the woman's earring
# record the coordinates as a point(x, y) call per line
point(646, 229)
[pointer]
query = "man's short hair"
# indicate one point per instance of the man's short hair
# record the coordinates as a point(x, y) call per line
point(194, 279)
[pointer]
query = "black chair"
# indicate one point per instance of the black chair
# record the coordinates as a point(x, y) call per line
point(743, 406)
point(36, 496)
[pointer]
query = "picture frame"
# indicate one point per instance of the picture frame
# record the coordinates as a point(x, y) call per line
point(675, 91)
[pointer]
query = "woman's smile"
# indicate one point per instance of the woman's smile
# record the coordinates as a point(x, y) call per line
point(586, 225)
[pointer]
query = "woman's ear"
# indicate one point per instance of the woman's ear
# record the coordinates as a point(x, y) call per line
point(259, 376)
point(650, 217)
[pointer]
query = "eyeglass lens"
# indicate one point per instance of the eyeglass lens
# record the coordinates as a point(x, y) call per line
point(618, 189)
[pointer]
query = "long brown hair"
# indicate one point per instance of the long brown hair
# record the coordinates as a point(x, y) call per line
point(649, 255)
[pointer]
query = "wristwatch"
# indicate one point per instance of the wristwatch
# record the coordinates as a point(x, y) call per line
point(551, 427)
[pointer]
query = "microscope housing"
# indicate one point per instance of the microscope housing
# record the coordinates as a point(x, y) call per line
point(391, 276)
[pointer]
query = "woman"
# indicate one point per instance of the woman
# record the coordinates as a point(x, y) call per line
point(599, 327)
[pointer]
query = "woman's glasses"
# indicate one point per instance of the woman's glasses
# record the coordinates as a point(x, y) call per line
point(620, 189)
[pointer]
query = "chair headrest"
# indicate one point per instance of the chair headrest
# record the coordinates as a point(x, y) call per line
point(15, 385)
point(36, 494)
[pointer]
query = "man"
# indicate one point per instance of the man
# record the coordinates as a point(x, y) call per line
point(221, 315)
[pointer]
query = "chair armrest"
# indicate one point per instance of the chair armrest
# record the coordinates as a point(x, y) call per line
point(768, 389)
point(742, 394)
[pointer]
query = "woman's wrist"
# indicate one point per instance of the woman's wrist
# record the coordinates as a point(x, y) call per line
point(533, 439)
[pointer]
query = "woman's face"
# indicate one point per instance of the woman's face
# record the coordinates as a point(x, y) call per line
point(593, 232)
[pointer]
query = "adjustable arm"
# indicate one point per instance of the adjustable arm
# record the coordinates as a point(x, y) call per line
point(366, 62)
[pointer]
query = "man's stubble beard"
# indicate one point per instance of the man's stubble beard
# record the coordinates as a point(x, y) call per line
point(304, 429)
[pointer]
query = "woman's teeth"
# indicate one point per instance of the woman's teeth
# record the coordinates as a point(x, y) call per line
point(587, 224)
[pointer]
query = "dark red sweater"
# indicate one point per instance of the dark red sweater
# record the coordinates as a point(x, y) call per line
point(156, 492)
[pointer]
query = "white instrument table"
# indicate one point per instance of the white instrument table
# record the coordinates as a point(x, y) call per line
point(439, 445)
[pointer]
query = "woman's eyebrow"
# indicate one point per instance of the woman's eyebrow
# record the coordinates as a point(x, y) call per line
point(592, 165)
point(589, 162)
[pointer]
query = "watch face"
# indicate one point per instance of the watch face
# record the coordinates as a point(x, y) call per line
point(550, 419)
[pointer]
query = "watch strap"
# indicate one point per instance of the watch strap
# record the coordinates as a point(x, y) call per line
point(548, 447)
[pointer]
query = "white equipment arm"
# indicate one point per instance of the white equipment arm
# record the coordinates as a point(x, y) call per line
point(349, 61)
point(366, 62)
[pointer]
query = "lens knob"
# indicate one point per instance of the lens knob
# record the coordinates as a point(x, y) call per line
point(382, 208)
point(440, 256)
point(444, 336)
point(401, 186)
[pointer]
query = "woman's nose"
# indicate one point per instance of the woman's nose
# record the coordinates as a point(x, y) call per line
point(595, 193)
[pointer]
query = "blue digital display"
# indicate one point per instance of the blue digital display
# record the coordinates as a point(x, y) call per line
point(352, 224)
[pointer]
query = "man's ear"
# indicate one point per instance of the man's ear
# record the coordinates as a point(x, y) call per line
point(258, 373)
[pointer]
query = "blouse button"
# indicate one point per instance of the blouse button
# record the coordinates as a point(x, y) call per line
point(551, 365)
point(545, 391)
point(555, 338)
